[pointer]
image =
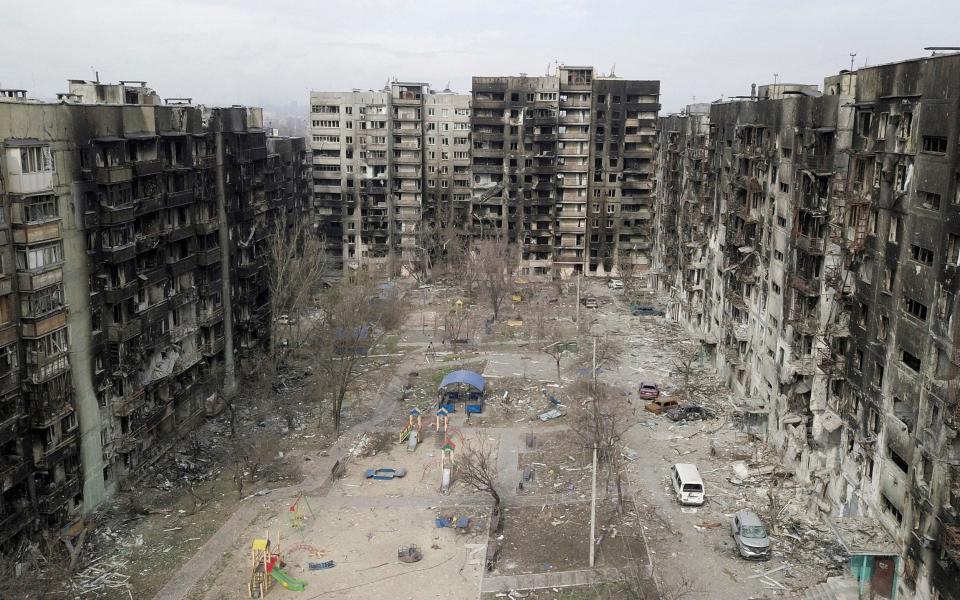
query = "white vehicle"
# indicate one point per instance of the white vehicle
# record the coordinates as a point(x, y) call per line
point(616, 284)
point(687, 484)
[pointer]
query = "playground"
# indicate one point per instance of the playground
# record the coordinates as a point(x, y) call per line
point(363, 543)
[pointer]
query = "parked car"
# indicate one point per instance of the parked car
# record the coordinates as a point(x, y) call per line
point(750, 536)
point(589, 302)
point(648, 390)
point(689, 412)
point(687, 484)
point(615, 284)
point(645, 311)
point(660, 405)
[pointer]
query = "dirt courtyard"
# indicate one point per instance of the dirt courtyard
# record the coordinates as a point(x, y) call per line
point(363, 542)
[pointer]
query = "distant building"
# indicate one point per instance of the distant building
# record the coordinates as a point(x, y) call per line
point(562, 165)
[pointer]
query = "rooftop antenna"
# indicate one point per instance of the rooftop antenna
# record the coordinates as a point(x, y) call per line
point(853, 55)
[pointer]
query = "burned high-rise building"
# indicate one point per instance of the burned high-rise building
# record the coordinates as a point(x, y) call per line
point(569, 162)
point(809, 240)
point(387, 166)
point(149, 220)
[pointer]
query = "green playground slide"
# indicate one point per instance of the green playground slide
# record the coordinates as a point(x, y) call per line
point(291, 583)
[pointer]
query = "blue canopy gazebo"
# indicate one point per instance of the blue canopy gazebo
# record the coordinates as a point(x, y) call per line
point(465, 386)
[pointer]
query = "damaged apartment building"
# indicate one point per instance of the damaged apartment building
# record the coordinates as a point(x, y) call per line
point(562, 165)
point(149, 220)
point(389, 167)
point(811, 240)
point(568, 160)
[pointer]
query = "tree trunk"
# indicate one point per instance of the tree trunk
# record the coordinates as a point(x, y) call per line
point(558, 370)
point(496, 499)
point(233, 418)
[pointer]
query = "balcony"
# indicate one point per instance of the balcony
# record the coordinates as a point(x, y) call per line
point(28, 282)
point(49, 413)
point(116, 215)
point(179, 198)
point(807, 286)
point(35, 233)
point(123, 332)
point(146, 205)
point(206, 161)
point(207, 227)
point(804, 365)
point(182, 265)
point(180, 231)
point(119, 254)
point(741, 331)
point(212, 348)
point(54, 455)
point(115, 174)
point(209, 318)
point(12, 524)
point(810, 245)
point(31, 328)
point(150, 313)
point(818, 163)
point(54, 497)
point(12, 468)
point(251, 154)
point(209, 256)
point(8, 429)
point(144, 168)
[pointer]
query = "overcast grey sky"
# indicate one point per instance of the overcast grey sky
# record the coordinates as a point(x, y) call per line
point(274, 52)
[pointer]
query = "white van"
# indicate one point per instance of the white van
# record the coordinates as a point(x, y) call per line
point(687, 484)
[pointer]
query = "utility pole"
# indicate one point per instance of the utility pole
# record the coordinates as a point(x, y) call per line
point(577, 317)
point(593, 496)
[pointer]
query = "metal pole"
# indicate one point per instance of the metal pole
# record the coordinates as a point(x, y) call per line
point(577, 317)
point(593, 495)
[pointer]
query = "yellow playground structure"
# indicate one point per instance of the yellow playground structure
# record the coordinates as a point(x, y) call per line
point(265, 569)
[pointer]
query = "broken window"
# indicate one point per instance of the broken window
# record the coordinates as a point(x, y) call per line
point(906, 125)
point(896, 459)
point(910, 360)
point(882, 328)
point(863, 123)
point(929, 200)
point(921, 254)
point(36, 159)
point(889, 275)
point(893, 236)
point(882, 126)
point(935, 144)
point(915, 308)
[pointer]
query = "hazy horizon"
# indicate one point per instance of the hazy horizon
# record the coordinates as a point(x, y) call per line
point(245, 52)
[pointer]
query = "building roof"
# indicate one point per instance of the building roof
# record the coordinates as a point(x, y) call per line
point(474, 380)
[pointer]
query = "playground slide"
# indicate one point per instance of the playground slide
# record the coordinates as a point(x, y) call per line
point(284, 579)
point(412, 440)
point(445, 482)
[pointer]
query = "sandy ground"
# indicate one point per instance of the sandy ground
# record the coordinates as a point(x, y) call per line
point(363, 542)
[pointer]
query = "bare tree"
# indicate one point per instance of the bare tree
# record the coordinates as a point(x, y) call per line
point(598, 427)
point(608, 351)
point(457, 322)
point(356, 315)
point(477, 468)
point(559, 347)
point(297, 266)
point(495, 263)
point(686, 372)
